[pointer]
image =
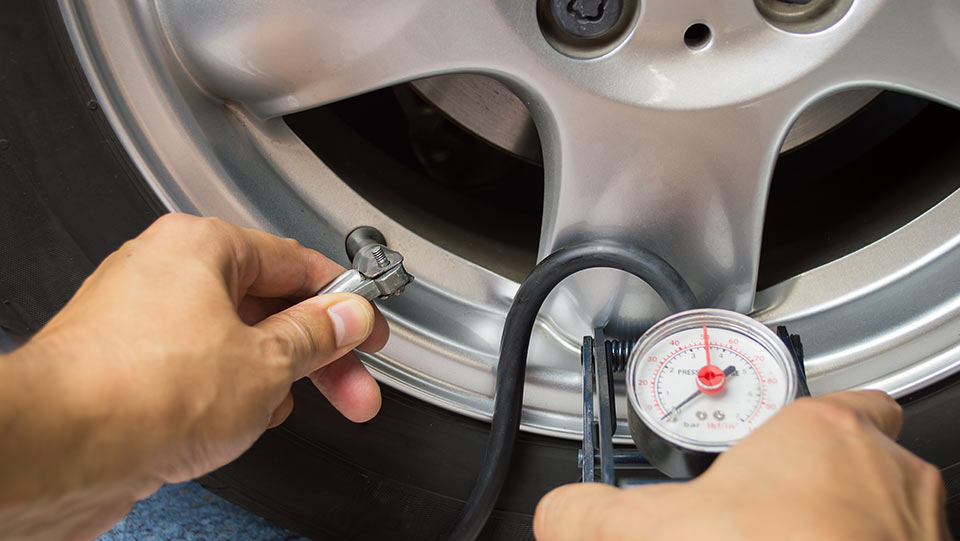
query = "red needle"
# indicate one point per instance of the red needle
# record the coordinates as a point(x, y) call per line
point(710, 379)
point(706, 344)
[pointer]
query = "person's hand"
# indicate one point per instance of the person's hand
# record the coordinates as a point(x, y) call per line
point(176, 354)
point(824, 468)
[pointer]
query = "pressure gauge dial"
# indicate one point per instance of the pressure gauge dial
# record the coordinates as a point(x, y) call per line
point(700, 381)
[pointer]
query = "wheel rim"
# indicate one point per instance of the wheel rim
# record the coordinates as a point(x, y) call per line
point(196, 92)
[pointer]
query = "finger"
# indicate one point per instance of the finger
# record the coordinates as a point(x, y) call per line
point(282, 412)
point(570, 512)
point(928, 494)
point(378, 337)
point(254, 263)
point(249, 261)
point(320, 329)
point(943, 523)
point(253, 310)
point(875, 406)
point(279, 267)
point(349, 387)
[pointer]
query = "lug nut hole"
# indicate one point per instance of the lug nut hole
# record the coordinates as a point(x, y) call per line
point(697, 36)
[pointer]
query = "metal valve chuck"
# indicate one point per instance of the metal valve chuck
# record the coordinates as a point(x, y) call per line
point(377, 270)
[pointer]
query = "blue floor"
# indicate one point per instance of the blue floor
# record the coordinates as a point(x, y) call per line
point(6, 343)
point(187, 512)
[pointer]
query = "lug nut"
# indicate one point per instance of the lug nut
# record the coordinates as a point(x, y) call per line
point(803, 16)
point(586, 19)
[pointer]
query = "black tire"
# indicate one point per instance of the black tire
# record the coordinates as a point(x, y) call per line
point(69, 196)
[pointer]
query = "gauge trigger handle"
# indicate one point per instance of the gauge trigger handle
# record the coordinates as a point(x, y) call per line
point(795, 347)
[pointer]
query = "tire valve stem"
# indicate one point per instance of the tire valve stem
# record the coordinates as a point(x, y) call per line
point(380, 257)
point(377, 271)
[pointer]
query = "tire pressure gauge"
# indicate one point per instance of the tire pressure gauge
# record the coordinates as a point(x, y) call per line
point(700, 381)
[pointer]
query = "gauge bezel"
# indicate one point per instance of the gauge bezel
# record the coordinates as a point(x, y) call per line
point(714, 318)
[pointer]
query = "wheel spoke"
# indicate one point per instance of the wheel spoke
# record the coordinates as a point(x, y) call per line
point(912, 47)
point(690, 186)
point(284, 56)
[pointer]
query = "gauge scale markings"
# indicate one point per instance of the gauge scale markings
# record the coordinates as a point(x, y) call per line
point(719, 351)
point(677, 364)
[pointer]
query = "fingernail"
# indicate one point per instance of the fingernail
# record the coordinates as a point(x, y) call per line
point(352, 322)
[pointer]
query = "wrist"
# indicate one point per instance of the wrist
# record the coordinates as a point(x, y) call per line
point(61, 440)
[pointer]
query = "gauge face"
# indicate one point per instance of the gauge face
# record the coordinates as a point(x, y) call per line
point(704, 379)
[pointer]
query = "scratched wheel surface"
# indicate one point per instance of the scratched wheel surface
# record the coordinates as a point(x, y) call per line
point(788, 158)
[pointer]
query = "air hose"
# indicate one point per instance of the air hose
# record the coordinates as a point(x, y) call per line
point(515, 341)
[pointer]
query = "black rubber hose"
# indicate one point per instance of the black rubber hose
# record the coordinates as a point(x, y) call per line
point(515, 341)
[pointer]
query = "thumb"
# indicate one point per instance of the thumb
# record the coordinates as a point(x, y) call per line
point(573, 512)
point(321, 329)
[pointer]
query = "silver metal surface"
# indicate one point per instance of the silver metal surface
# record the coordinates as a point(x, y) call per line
point(377, 273)
point(388, 284)
point(651, 143)
point(351, 281)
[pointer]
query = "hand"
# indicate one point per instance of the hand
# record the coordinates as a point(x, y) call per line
point(823, 468)
point(173, 357)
